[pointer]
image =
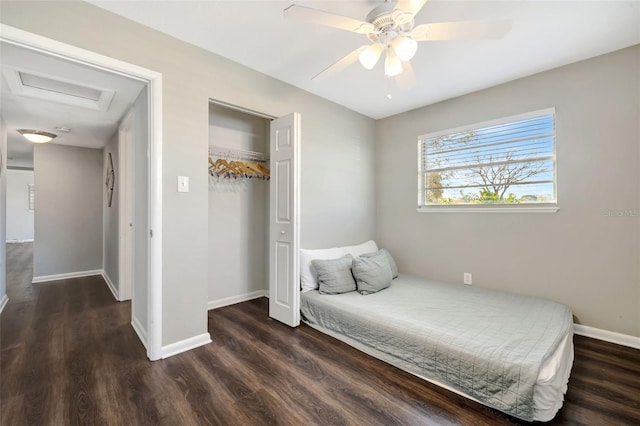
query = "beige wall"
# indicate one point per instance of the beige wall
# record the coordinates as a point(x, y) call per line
point(110, 215)
point(68, 215)
point(336, 208)
point(581, 255)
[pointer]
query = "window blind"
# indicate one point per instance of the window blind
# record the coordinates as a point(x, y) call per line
point(508, 161)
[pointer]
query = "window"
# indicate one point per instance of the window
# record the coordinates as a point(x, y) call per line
point(32, 196)
point(503, 163)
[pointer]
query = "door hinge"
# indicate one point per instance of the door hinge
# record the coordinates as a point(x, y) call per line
point(150, 233)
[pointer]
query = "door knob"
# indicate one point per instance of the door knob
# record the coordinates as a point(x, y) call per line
point(282, 232)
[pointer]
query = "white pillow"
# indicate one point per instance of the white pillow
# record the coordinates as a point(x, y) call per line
point(366, 247)
point(308, 274)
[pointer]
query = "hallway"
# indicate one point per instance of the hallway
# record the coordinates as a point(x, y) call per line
point(60, 342)
point(20, 272)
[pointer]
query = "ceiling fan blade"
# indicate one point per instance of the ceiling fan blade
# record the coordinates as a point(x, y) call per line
point(411, 7)
point(315, 16)
point(338, 66)
point(466, 30)
point(407, 78)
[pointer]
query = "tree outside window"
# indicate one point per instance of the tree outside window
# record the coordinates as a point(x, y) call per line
point(508, 162)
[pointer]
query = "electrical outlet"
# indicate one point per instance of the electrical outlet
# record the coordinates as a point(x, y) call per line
point(467, 278)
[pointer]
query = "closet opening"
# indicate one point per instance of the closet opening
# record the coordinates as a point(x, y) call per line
point(239, 176)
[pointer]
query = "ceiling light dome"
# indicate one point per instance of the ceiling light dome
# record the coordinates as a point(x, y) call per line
point(392, 64)
point(37, 136)
point(405, 47)
point(369, 56)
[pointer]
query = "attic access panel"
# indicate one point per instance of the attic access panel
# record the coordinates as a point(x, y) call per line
point(55, 89)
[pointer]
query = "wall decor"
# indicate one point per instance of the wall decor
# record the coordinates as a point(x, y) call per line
point(110, 180)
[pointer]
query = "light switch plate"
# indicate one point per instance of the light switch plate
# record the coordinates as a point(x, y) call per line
point(183, 183)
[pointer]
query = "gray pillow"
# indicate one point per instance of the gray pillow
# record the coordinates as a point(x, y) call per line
point(392, 263)
point(334, 275)
point(372, 273)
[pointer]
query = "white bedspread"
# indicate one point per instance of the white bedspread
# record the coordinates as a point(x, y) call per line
point(488, 345)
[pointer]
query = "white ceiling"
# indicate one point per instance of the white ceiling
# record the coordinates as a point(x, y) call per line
point(89, 128)
point(545, 35)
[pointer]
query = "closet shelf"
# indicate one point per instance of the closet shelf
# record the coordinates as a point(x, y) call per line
point(236, 154)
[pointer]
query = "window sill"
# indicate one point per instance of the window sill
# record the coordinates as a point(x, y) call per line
point(492, 209)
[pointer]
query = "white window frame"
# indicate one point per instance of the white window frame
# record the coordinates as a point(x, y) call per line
point(487, 208)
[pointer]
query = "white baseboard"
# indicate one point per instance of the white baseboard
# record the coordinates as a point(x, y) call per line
point(213, 304)
point(607, 336)
point(140, 331)
point(110, 284)
point(3, 302)
point(19, 241)
point(56, 277)
point(186, 345)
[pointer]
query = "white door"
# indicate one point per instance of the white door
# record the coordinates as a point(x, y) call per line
point(284, 227)
point(126, 209)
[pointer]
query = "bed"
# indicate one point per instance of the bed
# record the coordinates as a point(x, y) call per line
point(510, 352)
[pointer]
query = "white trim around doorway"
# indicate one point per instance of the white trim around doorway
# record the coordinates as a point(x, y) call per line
point(154, 82)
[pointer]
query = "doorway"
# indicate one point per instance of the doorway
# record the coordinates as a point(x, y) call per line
point(149, 237)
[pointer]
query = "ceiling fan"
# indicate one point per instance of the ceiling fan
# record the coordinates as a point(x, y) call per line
point(391, 30)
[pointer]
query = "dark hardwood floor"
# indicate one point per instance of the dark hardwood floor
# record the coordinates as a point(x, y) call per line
point(69, 356)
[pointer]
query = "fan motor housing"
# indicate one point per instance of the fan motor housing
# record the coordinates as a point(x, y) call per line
point(380, 16)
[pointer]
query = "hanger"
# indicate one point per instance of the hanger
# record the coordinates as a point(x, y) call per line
point(245, 164)
point(261, 171)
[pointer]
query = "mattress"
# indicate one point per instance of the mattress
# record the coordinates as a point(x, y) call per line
point(511, 352)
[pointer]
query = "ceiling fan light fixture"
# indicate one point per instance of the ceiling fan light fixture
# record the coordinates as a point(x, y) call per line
point(37, 136)
point(405, 47)
point(369, 56)
point(391, 28)
point(392, 64)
